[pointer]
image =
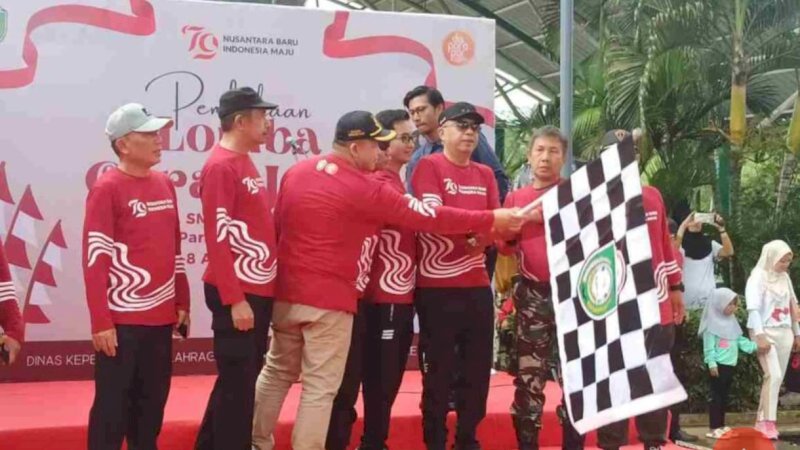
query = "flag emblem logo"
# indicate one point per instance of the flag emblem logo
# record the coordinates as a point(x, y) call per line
point(601, 280)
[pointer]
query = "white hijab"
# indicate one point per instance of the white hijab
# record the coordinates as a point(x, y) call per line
point(714, 319)
point(778, 283)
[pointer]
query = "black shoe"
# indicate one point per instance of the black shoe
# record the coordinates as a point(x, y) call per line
point(467, 446)
point(467, 442)
point(681, 435)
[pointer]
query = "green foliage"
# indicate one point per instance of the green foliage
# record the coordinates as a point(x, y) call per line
point(667, 66)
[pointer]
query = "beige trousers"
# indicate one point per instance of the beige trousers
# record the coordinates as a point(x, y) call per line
point(306, 340)
point(774, 364)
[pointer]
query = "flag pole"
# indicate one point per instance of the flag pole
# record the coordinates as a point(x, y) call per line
point(527, 209)
point(566, 90)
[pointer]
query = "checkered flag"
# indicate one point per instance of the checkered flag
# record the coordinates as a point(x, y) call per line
point(614, 360)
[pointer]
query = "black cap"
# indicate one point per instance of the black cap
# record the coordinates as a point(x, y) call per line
point(357, 125)
point(240, 100)
point(460, 110)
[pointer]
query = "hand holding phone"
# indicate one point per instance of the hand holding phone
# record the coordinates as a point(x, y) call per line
point(707, 218)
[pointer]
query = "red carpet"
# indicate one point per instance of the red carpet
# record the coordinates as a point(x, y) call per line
point(35, 416)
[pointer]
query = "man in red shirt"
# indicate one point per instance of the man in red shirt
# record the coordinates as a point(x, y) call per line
point(10, 318)
point(327, 214)
point(136, 286)
point(242, 266)
point(453, 297)
point(535, 325)
point(383, 327)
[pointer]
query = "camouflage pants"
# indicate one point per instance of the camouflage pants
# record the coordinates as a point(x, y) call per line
point(535, 340)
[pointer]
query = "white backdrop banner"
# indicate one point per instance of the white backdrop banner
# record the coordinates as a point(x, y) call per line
point(64, 66)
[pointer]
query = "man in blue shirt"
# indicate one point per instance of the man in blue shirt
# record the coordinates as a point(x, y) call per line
point(424, 104)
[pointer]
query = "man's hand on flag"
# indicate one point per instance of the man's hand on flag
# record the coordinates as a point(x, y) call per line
point(509, 220)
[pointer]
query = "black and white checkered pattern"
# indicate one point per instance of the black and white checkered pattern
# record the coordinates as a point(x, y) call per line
point(618, 366)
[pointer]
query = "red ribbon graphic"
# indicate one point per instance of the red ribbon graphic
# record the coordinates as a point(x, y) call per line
point(335, 46)
point(141, 23)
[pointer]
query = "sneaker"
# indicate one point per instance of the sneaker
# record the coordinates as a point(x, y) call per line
point(772, 430)
point(716, 434)
point(762, 427)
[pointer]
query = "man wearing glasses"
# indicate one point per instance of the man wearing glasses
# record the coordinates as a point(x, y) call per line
point(453, 297)
point(424, 105)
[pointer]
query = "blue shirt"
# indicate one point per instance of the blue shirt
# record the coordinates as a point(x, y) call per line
point(483, 154)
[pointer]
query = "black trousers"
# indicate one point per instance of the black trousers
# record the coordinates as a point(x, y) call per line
point(681, 371)
point(390, 329)
point(131, 389)
point(228, 420)
point(343, 412)
point(450, 317)
point(719, 386)
point(652, 426)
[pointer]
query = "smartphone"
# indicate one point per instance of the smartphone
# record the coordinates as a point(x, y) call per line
point(183, 330)
point(708, 218)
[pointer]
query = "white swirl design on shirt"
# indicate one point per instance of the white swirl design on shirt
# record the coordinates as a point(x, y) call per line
point(251, 255)
point(399, 271)
point(127, 281)
point(365, 262)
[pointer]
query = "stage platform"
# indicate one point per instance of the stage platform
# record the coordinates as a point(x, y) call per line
point(44, 415)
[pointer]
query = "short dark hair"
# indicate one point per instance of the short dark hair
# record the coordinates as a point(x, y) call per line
point(226, 123)
point(114, 147)
point(434, 96)
point(550, 132)
point(389, 117)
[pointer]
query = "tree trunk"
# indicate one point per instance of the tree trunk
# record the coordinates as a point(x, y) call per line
point(788, 169)
point(736, 186)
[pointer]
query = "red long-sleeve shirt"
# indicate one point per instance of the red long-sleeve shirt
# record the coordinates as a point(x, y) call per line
point(326, 213)
point(394, 265)
point(239, 229)
point(666, 270)
point(132, 264)
point(531, 243)
point(10, 317)
point(443, 259)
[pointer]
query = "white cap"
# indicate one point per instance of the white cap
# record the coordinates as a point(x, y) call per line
point(133, 117)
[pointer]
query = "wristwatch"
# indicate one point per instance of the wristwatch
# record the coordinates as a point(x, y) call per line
point(677, 287)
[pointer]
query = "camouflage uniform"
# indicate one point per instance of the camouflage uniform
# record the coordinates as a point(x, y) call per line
point(536, 353)
point(505, 276)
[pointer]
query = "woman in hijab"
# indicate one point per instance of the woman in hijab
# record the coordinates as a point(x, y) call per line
point(722, 340)
point(771, 308)
point(701, 252)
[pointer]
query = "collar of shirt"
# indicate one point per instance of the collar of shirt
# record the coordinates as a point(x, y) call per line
point(429, 147)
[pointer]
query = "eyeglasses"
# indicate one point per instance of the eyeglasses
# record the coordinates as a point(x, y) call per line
point(464, 126)
point(418, 110)
point(405, 138)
